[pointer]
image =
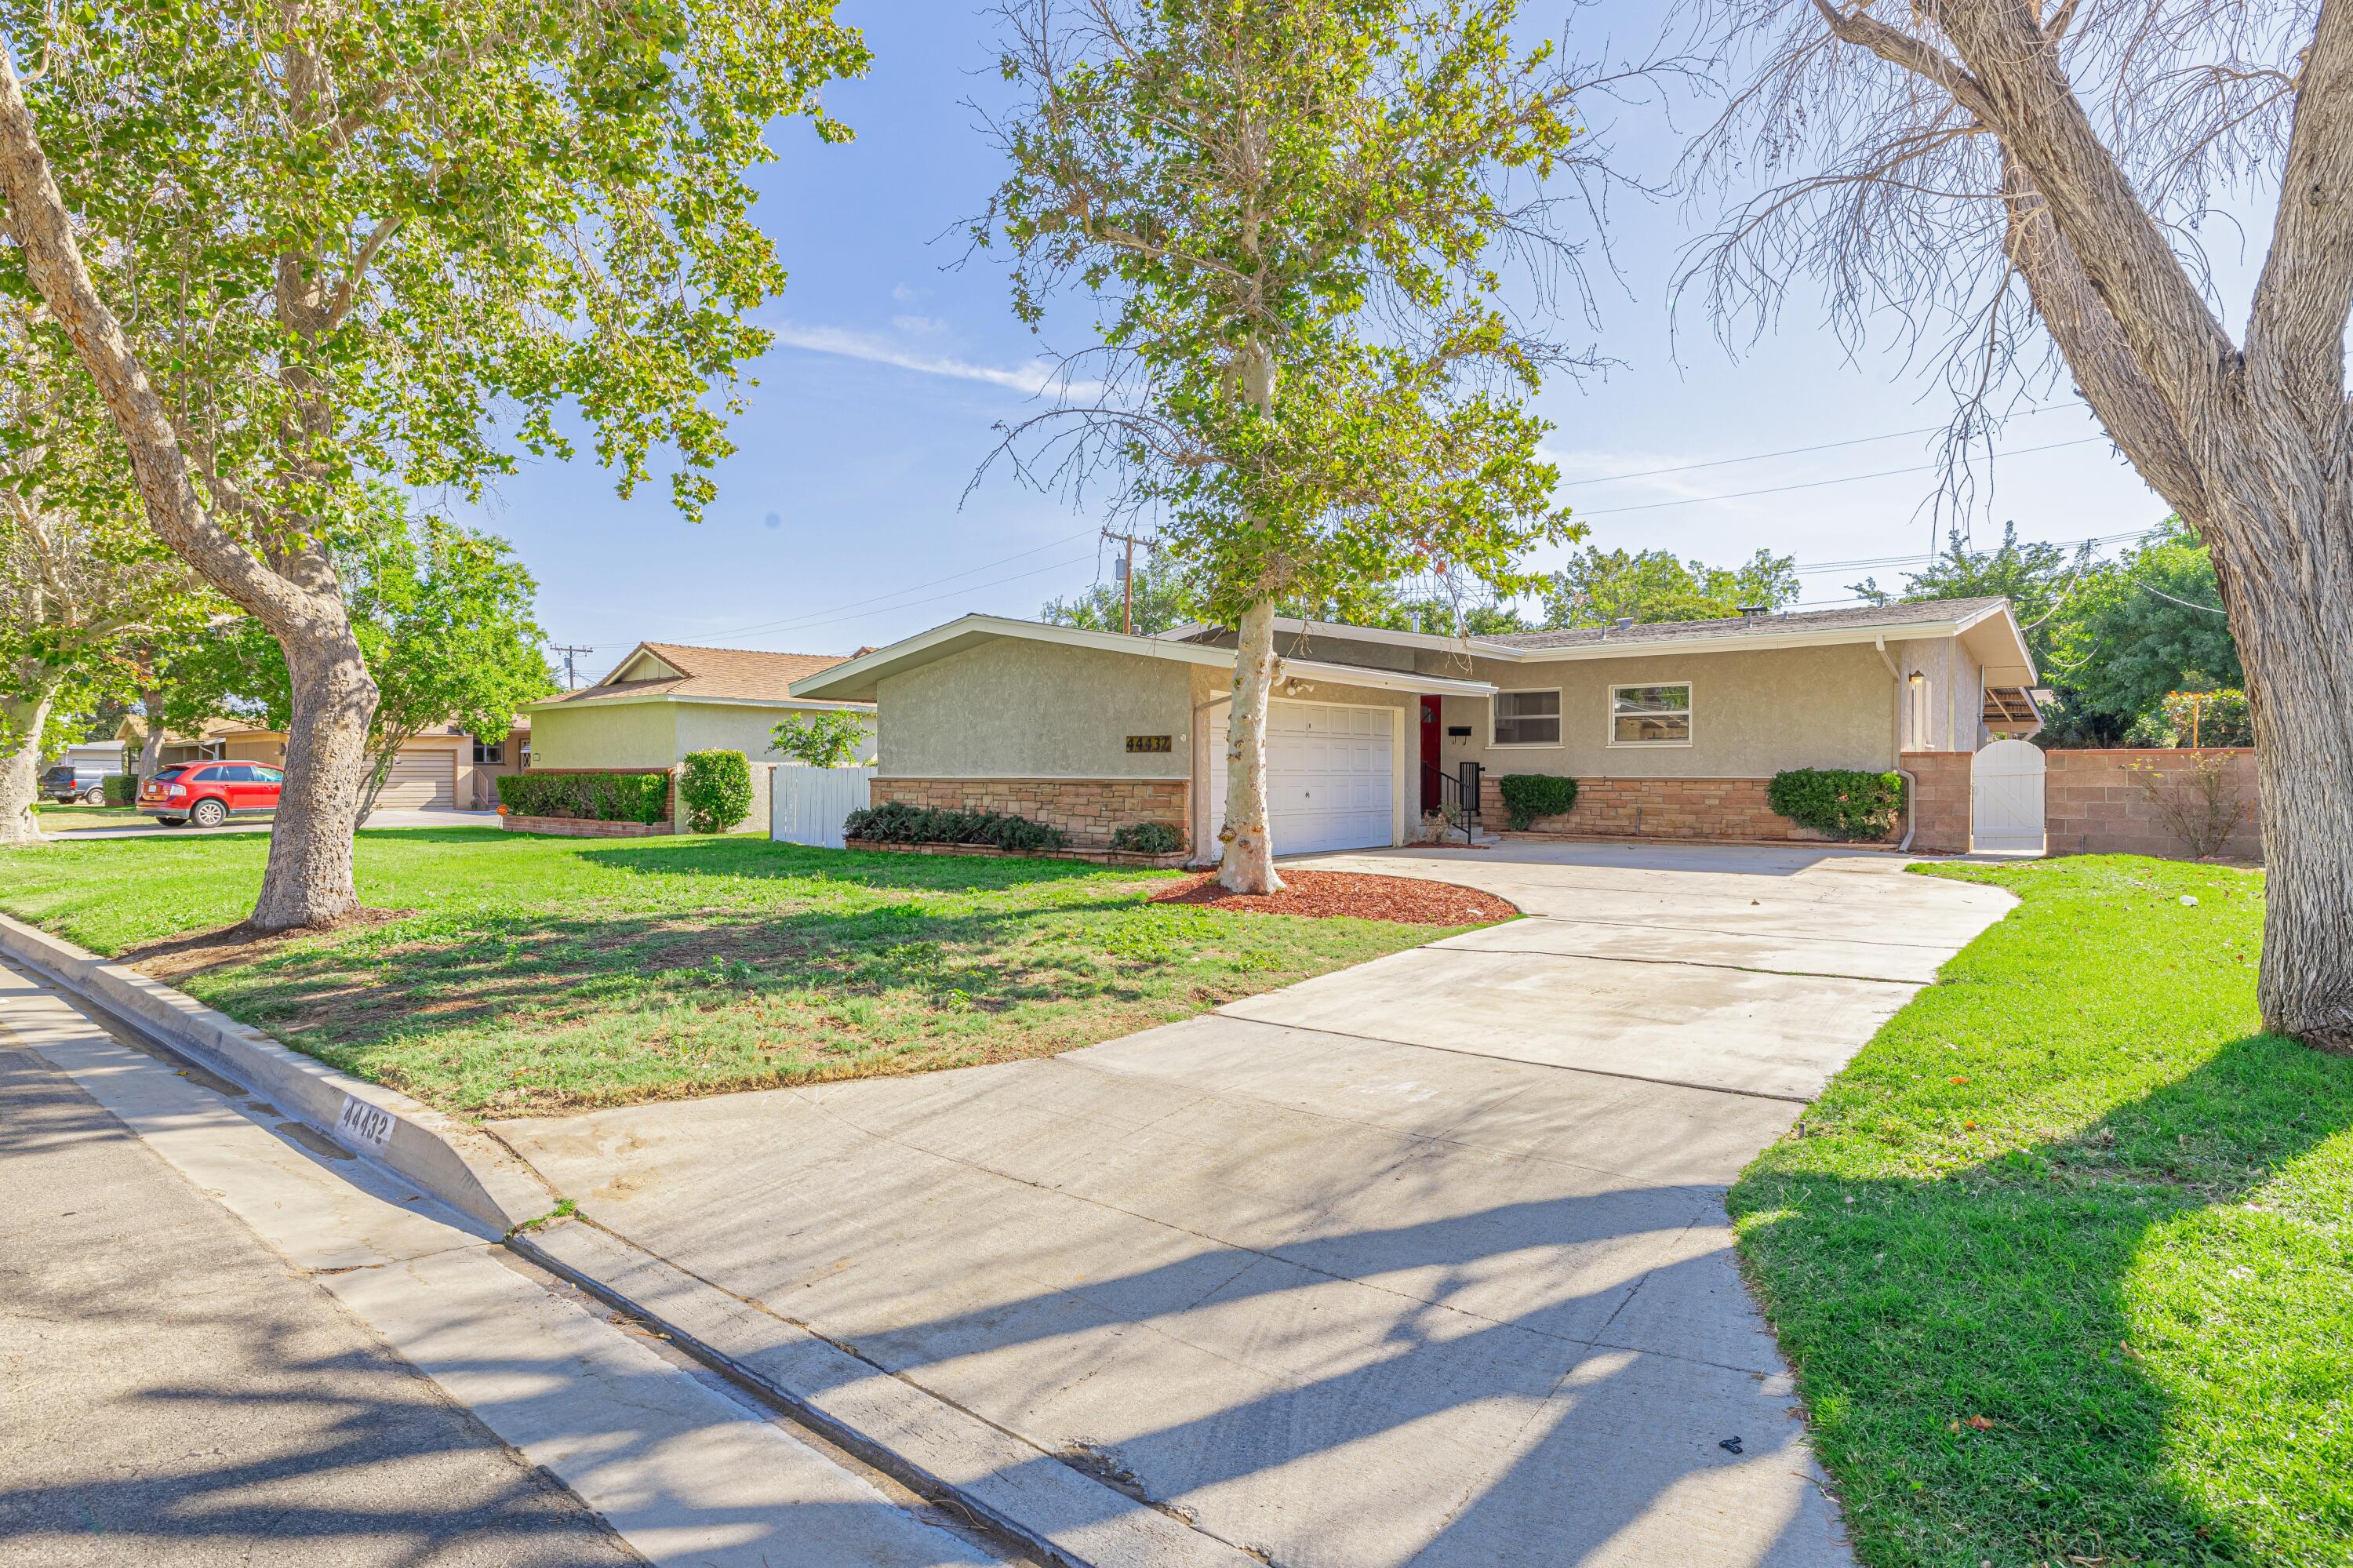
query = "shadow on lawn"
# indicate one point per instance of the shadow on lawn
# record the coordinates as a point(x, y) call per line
point(2001, 1291)
point(747, 856)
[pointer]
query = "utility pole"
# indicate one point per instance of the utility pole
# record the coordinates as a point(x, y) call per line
point(1128, 581)
point(571, 680)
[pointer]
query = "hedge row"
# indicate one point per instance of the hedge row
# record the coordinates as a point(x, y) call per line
point(590, 797)
point(123, 789)
point(1839, 802)
point(1148, 838)
point(1527, 796)
point(714, 787)
point(896, 823)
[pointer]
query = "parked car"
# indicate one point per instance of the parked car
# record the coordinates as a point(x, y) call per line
point(209, 793)
point(70, 781)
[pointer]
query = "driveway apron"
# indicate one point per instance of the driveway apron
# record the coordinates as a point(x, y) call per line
point(1421, 1262)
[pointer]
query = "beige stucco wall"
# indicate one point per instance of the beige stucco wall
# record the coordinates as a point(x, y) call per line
point(595, 735)
point(1012, 709)
point(1752, 714)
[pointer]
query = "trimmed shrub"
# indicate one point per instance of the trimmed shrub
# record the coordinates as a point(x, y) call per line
point(1527, 796)
point(715, 789)
point(589, 796)
point(1148, 838)
point(1838, 801)
point(897, 823)
point(123, 789)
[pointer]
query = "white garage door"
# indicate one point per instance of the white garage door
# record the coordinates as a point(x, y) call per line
point(421, 778)
point(1329, 772)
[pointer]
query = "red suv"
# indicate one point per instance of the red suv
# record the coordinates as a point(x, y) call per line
point(209, 793)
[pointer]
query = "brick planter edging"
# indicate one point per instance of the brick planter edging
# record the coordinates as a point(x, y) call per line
point(990, 852)
point(584, 828)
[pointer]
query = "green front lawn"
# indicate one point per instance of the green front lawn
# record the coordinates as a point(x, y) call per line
point(2064, 1258)
point(53, 817)
point(544, 972)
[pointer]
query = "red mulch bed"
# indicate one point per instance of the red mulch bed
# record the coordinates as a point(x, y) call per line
point(1329, 894)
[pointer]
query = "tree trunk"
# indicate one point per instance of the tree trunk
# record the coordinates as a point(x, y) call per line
point(151, 747)
point(295, 593)
point(1247, 864)
point(309, 880)
point(2290, 623)
point(379, 770)
point(20, 770)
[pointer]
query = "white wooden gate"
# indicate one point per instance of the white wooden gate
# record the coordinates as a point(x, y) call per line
point(807, 805)
point(2005, 799)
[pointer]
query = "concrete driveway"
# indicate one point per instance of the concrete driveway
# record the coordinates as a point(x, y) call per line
point(1423, 1262)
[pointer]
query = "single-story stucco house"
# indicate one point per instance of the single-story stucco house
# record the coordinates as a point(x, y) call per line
point(446, 768)
point(667, 699)
point(1672, 730)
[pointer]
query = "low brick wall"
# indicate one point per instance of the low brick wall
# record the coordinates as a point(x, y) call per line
point(584, 828)
point(1719, 809)
point(2093, 803)
point(1940, 800)
point(1089, 810)
point(990, 852)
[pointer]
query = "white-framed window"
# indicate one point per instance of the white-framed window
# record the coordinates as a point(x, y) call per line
point(1528, 718)
point(1658, 714)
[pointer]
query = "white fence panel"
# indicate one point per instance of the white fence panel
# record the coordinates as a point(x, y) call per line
point(807, 805)
point(2005, 799)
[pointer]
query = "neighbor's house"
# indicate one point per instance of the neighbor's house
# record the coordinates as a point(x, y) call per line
point(667, 699)
point(1671, 730)
point(446, 768)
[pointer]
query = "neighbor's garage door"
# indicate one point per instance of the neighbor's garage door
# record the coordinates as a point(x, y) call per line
point(1328, 773)
point(421, 778)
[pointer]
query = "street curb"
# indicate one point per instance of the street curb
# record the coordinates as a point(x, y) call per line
point(450, 1158)
point(1071, 1517)
point(937, 1445)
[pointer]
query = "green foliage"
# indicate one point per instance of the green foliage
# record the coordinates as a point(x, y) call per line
point(832, 738)
point(715, 789)
point(1288, 217)
point(896, 823)
point(1162, 600)
point(444, 615)
point(1148, 838)
point(1598, 588)
point(2073, 1190)
point(122, 788)
point(592, 797)
point(402, 238)
point(1527, 796)
point(1838, 801)
point(2130, 640)
point(2203, 718)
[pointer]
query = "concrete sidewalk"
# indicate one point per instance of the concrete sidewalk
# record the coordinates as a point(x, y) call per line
point(352, 1375)
point(1425, 1261)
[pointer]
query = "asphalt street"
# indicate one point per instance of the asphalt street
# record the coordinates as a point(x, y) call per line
point(174, 1394)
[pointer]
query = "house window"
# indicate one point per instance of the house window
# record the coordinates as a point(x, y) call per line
point(1651, 716)
point(494, 755)
point(1527, 718)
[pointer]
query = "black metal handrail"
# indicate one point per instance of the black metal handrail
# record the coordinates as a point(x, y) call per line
point(1456, 795)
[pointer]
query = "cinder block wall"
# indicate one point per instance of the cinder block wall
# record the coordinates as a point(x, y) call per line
point(2093, 803)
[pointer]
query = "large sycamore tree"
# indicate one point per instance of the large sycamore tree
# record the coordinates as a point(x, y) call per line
point(303, 248)
point(2005, 178)
point(1293, 221)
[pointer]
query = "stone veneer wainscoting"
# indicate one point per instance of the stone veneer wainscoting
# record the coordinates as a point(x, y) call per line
point(1714, 810)
point(1089, 810)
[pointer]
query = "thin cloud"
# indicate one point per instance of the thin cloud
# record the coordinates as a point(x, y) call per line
point(875, 350)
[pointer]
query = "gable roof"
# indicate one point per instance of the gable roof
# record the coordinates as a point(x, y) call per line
point(1962, 612)
point(684, 672)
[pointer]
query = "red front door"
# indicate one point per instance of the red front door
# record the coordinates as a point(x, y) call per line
point(1433, 713)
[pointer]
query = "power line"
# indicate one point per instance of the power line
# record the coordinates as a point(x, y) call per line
point(1792, 451)
point(813, 617)
point(1863, 564)
point(1818, 483)
point(570, 651)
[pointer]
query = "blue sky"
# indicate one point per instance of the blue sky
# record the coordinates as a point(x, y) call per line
point(845, 520)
